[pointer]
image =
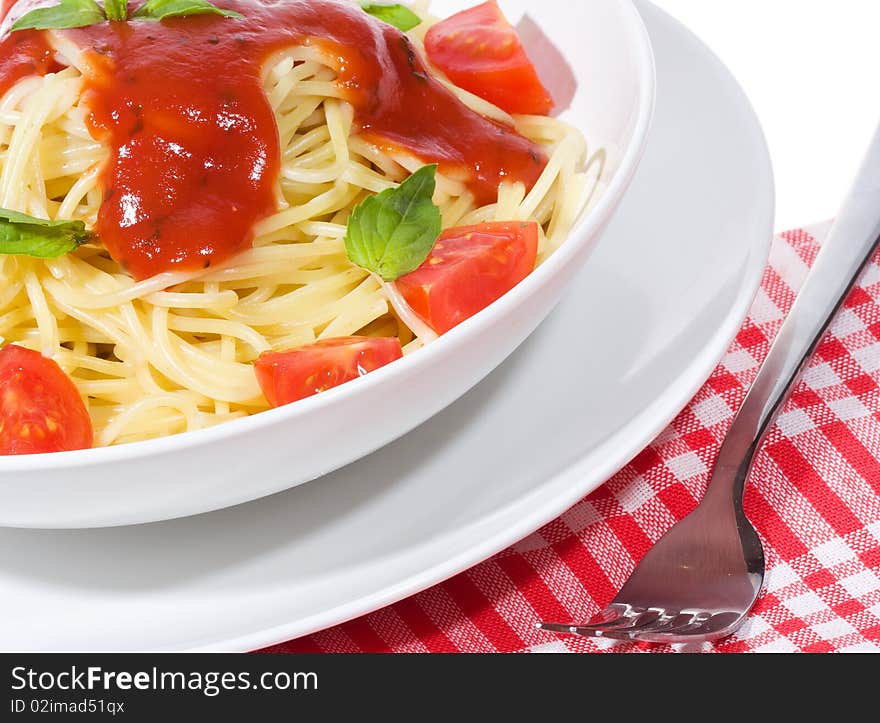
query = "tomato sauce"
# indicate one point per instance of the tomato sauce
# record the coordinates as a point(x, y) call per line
point(194, 149)
point(24, 53)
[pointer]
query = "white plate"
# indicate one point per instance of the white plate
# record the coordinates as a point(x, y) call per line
point(637, 336)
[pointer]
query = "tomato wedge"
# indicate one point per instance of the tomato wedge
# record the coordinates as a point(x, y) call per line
point(40, 408)
point(287, 377)
point(481, 52)
point(470, 268)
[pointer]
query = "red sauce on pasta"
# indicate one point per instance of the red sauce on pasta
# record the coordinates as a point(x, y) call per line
point(24, 53)
point(194, 149)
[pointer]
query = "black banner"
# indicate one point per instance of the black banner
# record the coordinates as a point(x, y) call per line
point(248, 687)
point(135, 687)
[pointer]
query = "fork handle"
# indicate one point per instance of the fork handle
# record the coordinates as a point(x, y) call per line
point(850, 245)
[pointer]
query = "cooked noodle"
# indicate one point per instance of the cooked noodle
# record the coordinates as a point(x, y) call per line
point(174, 353)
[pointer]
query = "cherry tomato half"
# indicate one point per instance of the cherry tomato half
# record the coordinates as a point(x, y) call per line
point(470, 268)
point(481, 52)
point(40, 407)
point(287, 377)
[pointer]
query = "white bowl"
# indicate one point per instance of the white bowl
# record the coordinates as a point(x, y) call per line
point(609, 52)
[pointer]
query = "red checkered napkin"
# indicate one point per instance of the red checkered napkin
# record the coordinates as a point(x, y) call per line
point(815, 501)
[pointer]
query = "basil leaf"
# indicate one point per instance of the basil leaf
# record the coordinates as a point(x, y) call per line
point(23, 235)
point(393, 233)
point(161, 9)
point(116, 9)
point(400, 16)
point(67, 14)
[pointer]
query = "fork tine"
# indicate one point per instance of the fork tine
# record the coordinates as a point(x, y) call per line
point(556, 628)
point(672, 623)
point(612, 615)
point(646, 618)
point(624, 621)
point(707, 626)
point(648, 621)
point(620, 629)
point(684, 624)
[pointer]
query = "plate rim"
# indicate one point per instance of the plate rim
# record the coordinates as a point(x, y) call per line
point(673, 401)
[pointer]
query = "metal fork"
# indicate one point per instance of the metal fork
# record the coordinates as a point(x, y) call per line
point(699, 582)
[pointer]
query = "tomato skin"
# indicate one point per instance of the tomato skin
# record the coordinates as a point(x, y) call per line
point(288, 377)
point(479, 51)
point(470, 268)
point(40, 407)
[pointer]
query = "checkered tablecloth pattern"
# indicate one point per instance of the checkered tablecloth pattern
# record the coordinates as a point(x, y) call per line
point(815, 500)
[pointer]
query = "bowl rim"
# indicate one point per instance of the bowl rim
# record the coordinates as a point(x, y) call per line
point(583, 232)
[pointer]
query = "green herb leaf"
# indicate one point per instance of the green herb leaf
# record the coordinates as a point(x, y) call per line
point(393, 233)
point(67, 14)
point(23, 235)
point(161, 9)
point(116, 9)
point(400, 16)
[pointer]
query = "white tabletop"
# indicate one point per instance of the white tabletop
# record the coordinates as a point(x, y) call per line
point(810, 68)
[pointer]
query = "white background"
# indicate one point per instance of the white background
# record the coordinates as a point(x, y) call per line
point(812, 71)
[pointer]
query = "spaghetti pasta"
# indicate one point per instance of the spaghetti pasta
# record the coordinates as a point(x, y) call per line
point(175, 352)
